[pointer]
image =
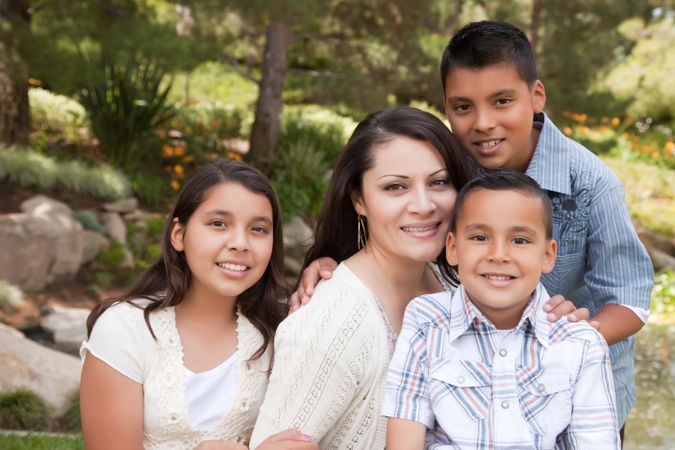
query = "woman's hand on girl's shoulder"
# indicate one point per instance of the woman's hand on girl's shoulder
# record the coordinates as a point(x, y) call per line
point(317, 270)
point(220, 445)
point(289, 440)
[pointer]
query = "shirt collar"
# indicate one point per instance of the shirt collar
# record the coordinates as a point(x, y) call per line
point(550, 163)
point(465, 314)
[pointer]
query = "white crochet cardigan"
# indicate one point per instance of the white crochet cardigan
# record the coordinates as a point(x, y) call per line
point(122, 340)
point(330, 364)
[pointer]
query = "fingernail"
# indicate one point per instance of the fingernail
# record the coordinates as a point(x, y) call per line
point(307, 437)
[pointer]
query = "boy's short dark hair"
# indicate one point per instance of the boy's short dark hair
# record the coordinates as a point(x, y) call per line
point(481, 44)
point(505, 180)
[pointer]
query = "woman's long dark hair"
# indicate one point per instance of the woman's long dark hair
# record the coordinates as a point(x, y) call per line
point(336, 234)
point(166, 282)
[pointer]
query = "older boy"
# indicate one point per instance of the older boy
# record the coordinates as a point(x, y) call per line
point(491, 96)
point(483, 368)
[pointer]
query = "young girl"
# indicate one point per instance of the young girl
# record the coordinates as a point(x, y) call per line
point(182, 360)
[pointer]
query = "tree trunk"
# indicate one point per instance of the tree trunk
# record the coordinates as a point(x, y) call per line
point(14, 108)
point(267, 123)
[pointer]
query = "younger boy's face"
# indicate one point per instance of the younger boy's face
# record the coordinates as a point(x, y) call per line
point(500, 247)
point(490, 111)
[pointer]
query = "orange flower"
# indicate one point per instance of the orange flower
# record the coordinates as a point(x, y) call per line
point(670, 146)
point(175, 185)
point(234, 155)
point(567, 131)
point(188, 159)
point(604, 120)
point(615, 121)
point(178, 169)
point(179, 150)
point(167, 151)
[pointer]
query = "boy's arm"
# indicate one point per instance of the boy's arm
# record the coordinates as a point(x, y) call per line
point(619, 274)
point(594, 421)
point(405, 434)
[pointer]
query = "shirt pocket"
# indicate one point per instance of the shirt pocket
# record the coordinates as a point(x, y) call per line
point(460, 391)
point(546, 403)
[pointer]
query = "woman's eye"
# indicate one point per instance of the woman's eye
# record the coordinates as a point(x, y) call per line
point(440, 182)
point(394, 187)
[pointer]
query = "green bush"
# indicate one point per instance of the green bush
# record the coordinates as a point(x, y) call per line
point(663, 295)
point(32, 169)
point(124, 105)
point(55, 117)
point(150, 187)
point(71, 420)
point(23, 410)
point(214, 82)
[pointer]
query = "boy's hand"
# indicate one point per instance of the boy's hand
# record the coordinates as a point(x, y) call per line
point(558, 306)
point(289, 440)
point(319, 269)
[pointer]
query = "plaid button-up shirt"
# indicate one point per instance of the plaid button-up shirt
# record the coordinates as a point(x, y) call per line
point(541, 385)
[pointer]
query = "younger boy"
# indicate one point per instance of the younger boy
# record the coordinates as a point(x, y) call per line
point(483, 368)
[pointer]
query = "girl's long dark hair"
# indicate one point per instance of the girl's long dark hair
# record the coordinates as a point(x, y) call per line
point(165, 283)
point(336, 234)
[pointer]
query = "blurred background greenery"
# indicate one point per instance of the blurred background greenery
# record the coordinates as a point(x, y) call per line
point(105, 99)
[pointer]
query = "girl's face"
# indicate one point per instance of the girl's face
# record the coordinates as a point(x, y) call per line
point(227, 241)
point(406, 198)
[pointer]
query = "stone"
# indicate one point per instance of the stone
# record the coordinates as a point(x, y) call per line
point(298, 234)
point(41, 205)
point(115, 226)
point(660, 242)
point(661, 260)
point(93, 243)
point(39, 248)
point(123, 206)
point(24, 364)
point(67, 326)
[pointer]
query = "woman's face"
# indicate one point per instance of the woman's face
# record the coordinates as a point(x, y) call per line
point(407, 198)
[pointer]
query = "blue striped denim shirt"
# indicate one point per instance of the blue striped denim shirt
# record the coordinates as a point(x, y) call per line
point(600, 258)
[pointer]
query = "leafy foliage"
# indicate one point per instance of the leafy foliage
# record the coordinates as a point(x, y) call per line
point(54, 117)
point(40, 442)
point(125, 103)
point(663, 295)
point(23, 410)
point(31, 168)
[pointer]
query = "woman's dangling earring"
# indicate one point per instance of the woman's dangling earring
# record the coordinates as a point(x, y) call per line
point(360, 232)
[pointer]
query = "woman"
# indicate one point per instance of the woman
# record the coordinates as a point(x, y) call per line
point(386, 215)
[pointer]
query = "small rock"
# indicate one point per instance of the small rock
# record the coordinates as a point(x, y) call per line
point(68, 327)
point(298, 233)
point(93, 243)
point(24, 364)
point(41, 205)
point(115, 226)
point(123, 206)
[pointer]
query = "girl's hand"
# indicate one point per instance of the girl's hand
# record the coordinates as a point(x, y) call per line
point(220, 445)
point(317, 270)
point(557, 307)
point(288, 440)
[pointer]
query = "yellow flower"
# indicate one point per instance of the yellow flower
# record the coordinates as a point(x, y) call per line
point(175, 185)
point(179, 150)
point(167, 151)
point(188, 159)
point(567, 131)
point(615, 121)
point(234, 155)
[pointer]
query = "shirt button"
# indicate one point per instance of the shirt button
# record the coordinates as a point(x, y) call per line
point(505, 404)
point(460, 379)
point(502, 352)
point(541, 387)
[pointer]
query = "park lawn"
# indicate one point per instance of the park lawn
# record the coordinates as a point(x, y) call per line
point(40, 442)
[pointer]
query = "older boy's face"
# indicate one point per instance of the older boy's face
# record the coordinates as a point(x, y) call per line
point(501, 249)
point(490, 111)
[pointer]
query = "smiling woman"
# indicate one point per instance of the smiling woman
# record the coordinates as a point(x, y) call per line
point(386, 215)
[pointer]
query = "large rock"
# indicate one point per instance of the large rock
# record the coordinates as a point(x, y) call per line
point(52, 375)
point(123, 206)
point(93, 243)
point(661, 249)
point(115, 226)
point(67, 326)
point(298, 234)
point(41, 245)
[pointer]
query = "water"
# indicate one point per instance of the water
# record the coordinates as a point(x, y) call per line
point(651, 424)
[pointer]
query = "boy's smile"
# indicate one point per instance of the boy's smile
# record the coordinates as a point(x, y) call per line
point(501, 249)
point(491, 110)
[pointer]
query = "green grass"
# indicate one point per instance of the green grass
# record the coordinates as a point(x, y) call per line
point(40, 442)
point(30, 168)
